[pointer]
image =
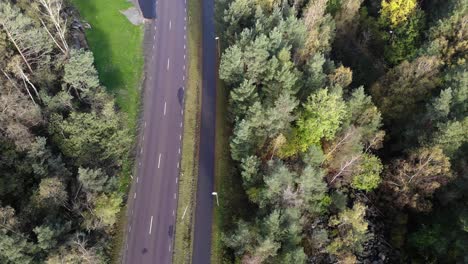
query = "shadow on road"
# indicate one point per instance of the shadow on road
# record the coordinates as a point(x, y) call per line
point(180, 95)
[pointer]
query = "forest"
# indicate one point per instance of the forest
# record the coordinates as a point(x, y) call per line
point(63, 140)
point(349, 130)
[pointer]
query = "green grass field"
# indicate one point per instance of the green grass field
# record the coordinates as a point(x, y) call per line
point(117, 48)
point(189, 166)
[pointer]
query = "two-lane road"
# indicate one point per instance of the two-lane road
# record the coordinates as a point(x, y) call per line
point(153, 196)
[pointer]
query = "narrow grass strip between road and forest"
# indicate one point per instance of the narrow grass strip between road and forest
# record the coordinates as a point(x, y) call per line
point(232, 198)
point(233, 201)
point(183, 243)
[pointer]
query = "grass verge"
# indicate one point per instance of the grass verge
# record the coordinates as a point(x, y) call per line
point(223, 171)
point(118, 57)
point(227, 183)
point(233, 202)
point(117, 48)
point(189, 165)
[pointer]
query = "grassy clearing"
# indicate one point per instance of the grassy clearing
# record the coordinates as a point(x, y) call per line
point(118, 53)
point(117, 48)
point(189, 168)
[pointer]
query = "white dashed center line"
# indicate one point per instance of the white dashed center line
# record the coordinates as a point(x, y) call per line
point(168, 63)
point(164, 108)
point(151, 225)
point(159, 160)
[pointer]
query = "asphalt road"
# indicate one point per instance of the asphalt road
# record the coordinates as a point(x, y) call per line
point(153, 196)
point(205, 199)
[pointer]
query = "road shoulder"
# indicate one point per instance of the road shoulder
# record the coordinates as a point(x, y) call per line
point(190, 143)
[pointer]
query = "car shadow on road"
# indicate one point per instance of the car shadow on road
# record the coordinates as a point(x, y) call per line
point(180, 95)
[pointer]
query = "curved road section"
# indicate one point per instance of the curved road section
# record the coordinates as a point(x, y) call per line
point(204, 206)
point(153, 197)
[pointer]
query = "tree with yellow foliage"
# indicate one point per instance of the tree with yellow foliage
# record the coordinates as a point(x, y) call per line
point(395, 12)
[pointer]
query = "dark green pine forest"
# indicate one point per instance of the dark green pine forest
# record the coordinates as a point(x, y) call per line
point(349, 130)
point(64, 145)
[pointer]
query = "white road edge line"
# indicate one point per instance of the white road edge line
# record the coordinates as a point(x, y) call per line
point(151, 225)
point(134, 195)
point(137, 179)
point(178, 164)
point(159, 160)
point(176, 180)
point(175, 195)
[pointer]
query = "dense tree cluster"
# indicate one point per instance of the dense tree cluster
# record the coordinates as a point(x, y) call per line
point(326, 183)
point(62, 142)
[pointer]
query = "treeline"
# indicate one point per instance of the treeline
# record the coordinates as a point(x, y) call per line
point(62, 141)
point(335, 175)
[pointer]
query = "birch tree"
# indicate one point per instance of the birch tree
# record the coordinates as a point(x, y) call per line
point(31, 42)
point(51, 9)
